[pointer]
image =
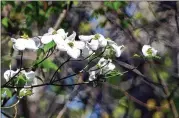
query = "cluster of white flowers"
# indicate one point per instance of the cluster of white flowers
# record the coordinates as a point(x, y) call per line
point(104, 66)
point(30, 76)
point(87, 45)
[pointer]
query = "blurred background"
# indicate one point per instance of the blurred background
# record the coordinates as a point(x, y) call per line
point(132, 24)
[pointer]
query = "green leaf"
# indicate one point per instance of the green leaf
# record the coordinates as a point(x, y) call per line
point(49, 64)
point(48, 46)
point(25, 92)
point(6, 92)
point(21, 81)
point(114, 77)
point(5, 22)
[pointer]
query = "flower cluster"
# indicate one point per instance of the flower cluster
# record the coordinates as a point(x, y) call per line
point(103, 66)
point(30, 76)
point(87, 45)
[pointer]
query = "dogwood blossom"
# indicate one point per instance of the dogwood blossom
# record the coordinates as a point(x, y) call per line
point(9, 74)
point(105, 65)
point(147, 50)
point(52, 34)
point(30, 76)
point(71, 46)
point(24, 43)
point(118, 49)
point(94, 41)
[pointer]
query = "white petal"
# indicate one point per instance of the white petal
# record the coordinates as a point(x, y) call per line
point(118, 49)
point(13, 40)
point(102, 41)
point(20, 44)
point(62, 47)
point(79, 44)
point(62, 33)
point(37, 41)
point(92, 75)
point(86, 52)
point(71, 37)
point(73, 52)
point(94, 44)
point(111, 66)
point(58, 39)
point(30, 44)
point(144, 50)
point(30, 75)
point(50, 30)
point(46, 39)
point(103, 62)
point(86, 38)
point(8, 74)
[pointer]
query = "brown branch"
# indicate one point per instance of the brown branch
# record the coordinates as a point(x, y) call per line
point(60, 19)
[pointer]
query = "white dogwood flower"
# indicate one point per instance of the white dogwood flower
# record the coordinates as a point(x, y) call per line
point(9, 74)
point(71, 46)
point(52, 34)
point(109, 68)
point(94, 41)
point(118, 49)
point(105, 65)
point(31, 77)
point(24, 43)
point(147, 50)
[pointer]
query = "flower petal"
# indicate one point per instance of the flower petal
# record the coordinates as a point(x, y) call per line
point(71, 37)
point(30, 44)
point(92, 76)
point(62, 33)
point(20, 44)
point(94, 44)
point(8, 74)
point(86, 52)
point(86, 38)
point(30, 75)
point(73, 52)
point(79, 44)
point(46, 39)
point(102, 41)
point(50, 31)
point(118, 49)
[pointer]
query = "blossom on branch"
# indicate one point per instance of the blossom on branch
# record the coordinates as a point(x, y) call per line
point(23, 43)
point(147, 50)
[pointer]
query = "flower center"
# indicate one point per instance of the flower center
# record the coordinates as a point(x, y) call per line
point(54, 32)
point(96, 37)
point(71, 44)
point(25, 36)
point(108, 38)
point(149, 51)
